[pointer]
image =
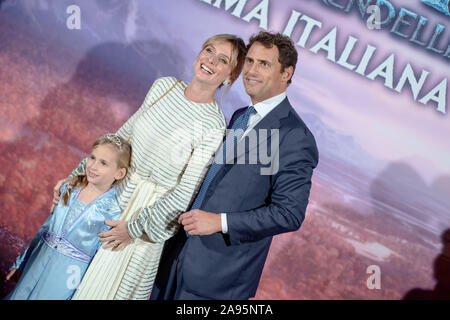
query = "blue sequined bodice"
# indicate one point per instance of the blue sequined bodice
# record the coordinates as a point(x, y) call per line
point(74, 212)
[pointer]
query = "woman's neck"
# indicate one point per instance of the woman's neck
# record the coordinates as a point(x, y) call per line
point(199, 92)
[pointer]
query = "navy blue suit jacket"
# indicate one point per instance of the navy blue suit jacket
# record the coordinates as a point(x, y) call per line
point(229, 266)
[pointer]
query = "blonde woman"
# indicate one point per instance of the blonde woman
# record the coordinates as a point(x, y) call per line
point(174, 136)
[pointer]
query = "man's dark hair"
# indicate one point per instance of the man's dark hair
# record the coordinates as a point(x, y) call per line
point(287, 53)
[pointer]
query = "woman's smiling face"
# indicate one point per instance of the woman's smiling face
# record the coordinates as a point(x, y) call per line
point(213, 64)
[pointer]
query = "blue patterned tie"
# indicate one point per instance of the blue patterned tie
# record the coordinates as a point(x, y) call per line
point(240, 123)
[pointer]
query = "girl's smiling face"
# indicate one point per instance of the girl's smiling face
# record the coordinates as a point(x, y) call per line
point(102, 166)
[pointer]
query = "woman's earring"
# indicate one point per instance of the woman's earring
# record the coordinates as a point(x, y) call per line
point(225, 83)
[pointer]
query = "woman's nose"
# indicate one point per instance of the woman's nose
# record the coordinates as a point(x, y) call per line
point(213, 59)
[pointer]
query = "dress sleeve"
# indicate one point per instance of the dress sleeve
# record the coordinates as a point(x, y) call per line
point(159, 221)
point(22, 259)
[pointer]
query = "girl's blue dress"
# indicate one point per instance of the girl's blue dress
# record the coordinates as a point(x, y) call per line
point(58, 256)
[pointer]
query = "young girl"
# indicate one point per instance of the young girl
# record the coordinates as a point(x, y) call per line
point(58, 256)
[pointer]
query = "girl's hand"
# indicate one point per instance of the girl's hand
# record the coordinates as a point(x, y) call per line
point(56, 192)
point(13, 275)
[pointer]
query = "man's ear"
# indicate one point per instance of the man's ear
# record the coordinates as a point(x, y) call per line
point(287, 73)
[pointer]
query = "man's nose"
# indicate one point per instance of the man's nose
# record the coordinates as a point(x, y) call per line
point(252, 69)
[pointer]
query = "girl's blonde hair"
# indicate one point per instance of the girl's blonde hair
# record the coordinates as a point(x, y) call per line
point(124, 158)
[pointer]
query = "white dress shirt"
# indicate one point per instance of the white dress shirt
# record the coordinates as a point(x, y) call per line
point(262, 109)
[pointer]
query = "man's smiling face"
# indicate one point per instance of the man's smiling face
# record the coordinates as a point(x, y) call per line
point(262, 74)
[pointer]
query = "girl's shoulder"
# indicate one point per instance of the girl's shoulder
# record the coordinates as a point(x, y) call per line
point(64, 187)
point(109, 203)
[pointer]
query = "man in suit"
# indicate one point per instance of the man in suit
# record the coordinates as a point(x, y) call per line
point(221, 252)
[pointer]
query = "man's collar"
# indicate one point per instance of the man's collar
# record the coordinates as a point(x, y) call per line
point(264, 107)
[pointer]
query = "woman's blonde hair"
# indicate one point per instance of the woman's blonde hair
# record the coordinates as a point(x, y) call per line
point(238, 52)
point(124, 158)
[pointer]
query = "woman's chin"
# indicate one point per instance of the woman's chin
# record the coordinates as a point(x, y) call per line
point(214, 85)
point(206, 79)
